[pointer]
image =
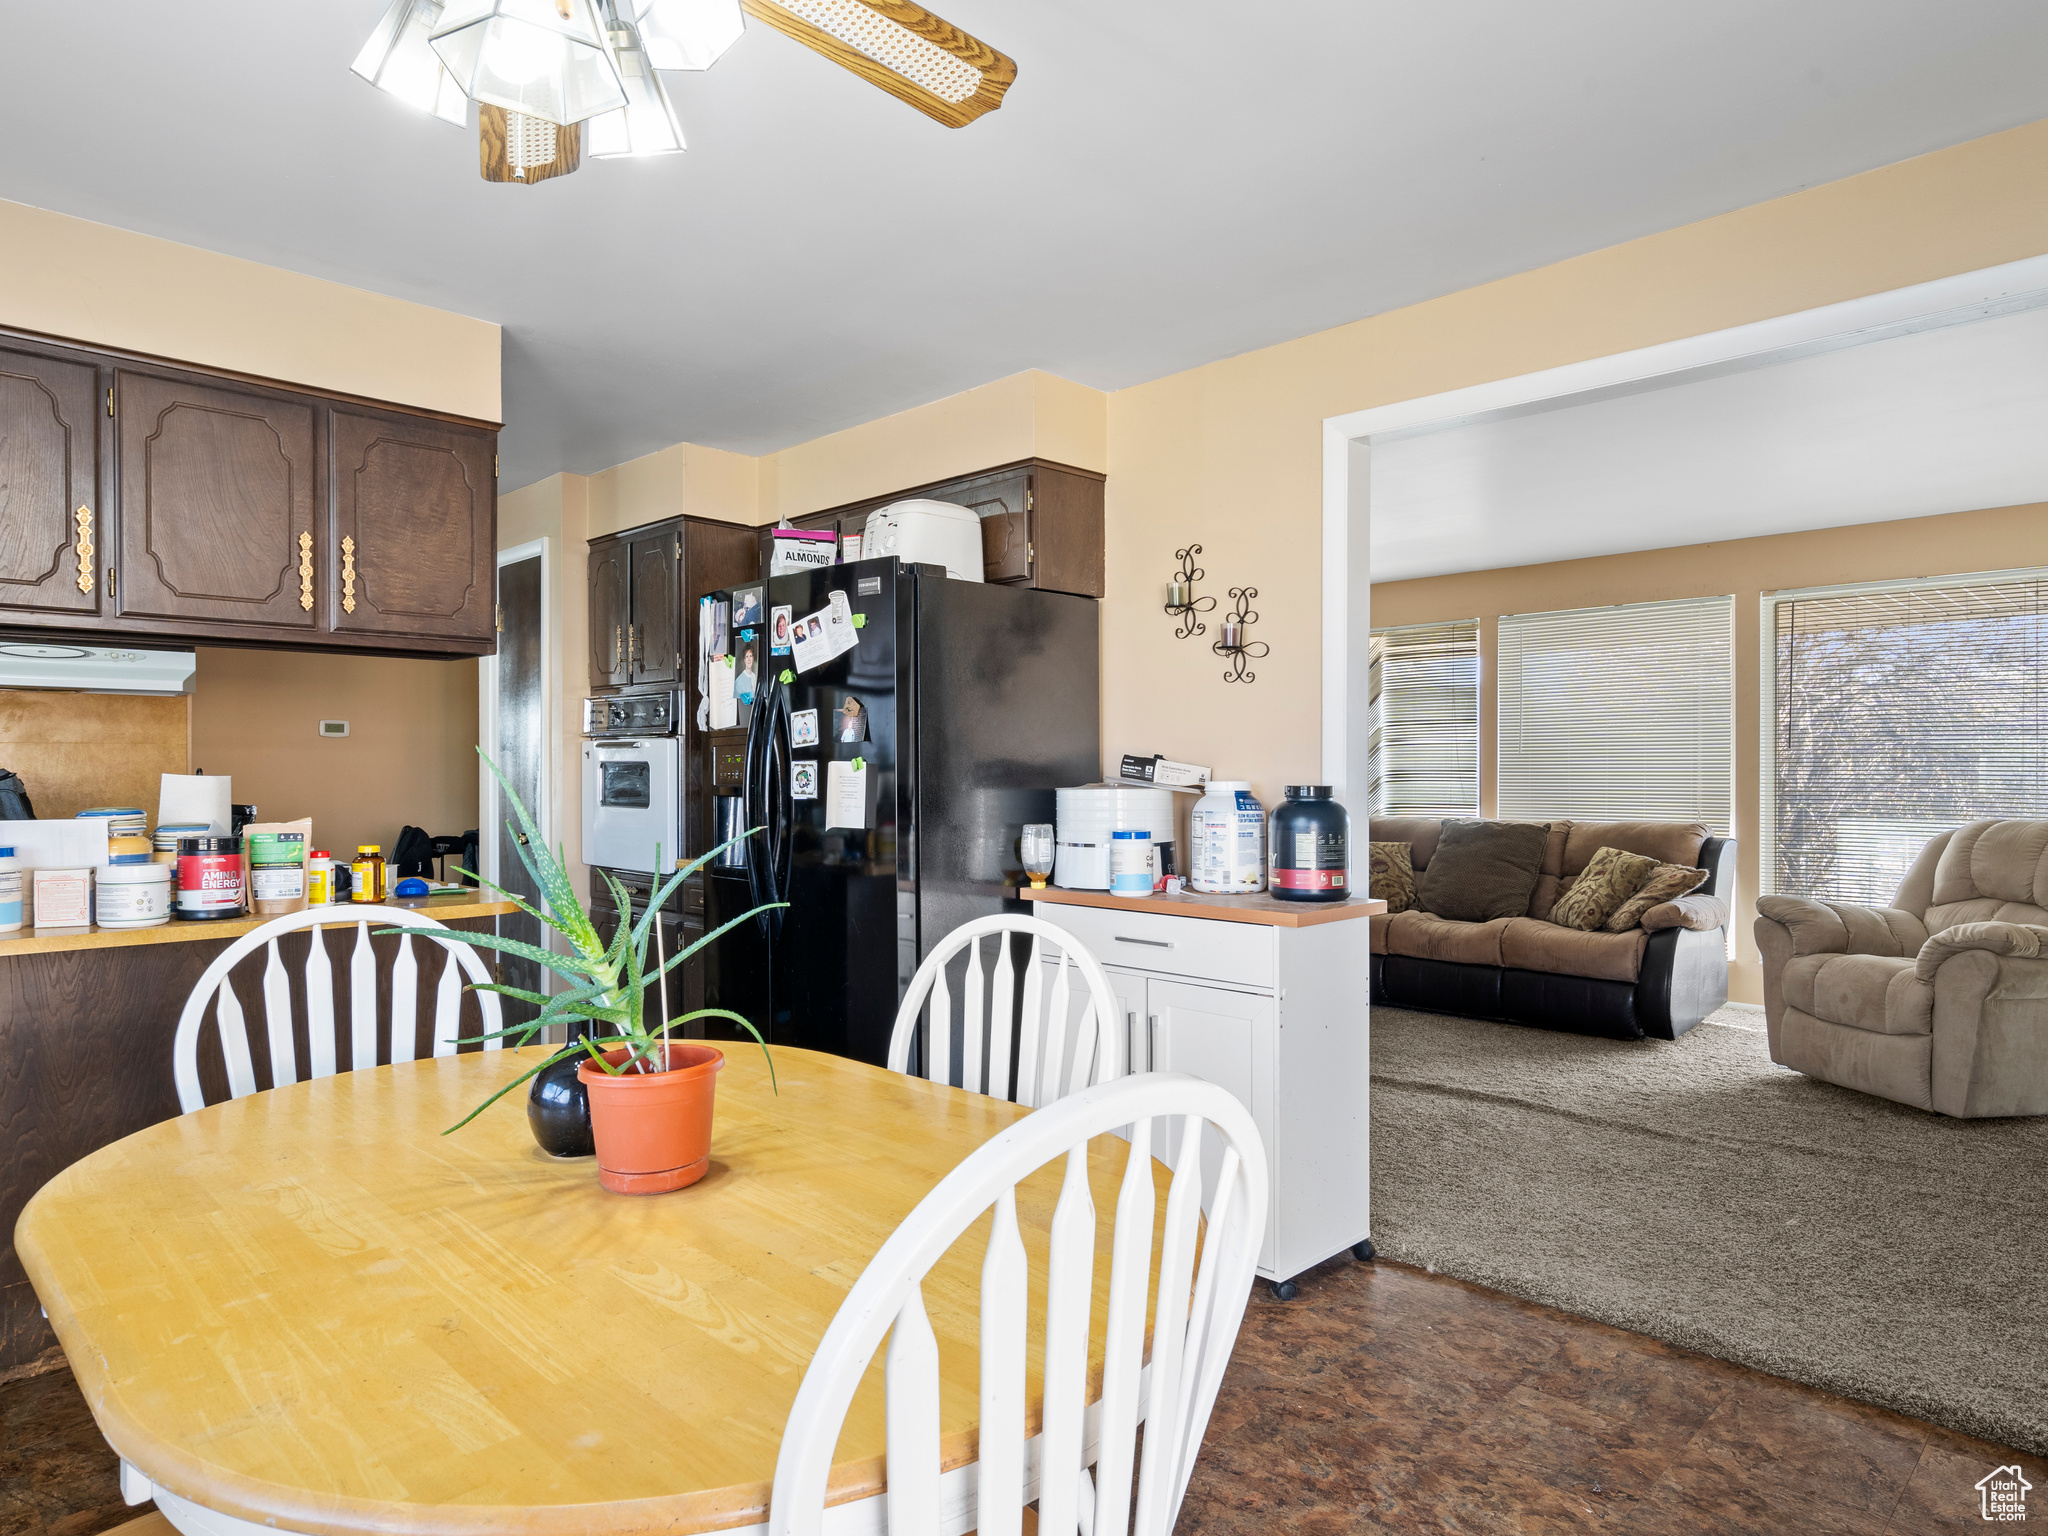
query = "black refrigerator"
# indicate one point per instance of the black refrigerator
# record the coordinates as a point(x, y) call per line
point(973, 703)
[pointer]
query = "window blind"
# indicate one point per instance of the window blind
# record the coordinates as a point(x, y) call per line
point(1619, 714)
point(1899, 714)
point(1423, 717)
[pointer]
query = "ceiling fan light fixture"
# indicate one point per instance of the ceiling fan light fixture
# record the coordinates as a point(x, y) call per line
point(689, 34)
point(516, 148)
point(400, 59)
point(900, 46)
point(646, 124)
point(543, 58)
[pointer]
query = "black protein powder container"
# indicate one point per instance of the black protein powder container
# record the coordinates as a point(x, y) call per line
point(1309, 847)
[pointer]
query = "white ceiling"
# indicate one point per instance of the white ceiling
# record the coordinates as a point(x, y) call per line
point(1943, 420)
point(1169, 182)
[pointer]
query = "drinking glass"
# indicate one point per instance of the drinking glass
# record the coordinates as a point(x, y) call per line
point(1035, 847)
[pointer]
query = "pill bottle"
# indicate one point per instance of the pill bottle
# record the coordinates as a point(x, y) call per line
point(367, 872)
point(319, 878)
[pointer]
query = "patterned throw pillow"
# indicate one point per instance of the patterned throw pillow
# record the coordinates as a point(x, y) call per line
point(1610, 878)
point(1667, 882)
point(1393, 875)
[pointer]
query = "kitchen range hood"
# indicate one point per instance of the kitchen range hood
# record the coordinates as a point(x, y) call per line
point(96, 669)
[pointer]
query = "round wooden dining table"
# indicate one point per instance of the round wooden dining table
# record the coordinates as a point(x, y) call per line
point(311, 1310)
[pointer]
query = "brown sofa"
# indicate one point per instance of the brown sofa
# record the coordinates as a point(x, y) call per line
point(1939, 1000)
point(1657, 980)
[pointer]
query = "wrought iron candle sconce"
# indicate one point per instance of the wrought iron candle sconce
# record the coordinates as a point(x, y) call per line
point(1181, 601)
point(1232, 643)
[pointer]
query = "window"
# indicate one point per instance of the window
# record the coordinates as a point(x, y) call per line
point(1619, 714)
point(1899, 712)
point(1422, 699)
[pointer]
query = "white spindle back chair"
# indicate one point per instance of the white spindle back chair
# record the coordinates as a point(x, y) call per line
point(1171, 1390)
point(1039, 1030)
point(321, 1047)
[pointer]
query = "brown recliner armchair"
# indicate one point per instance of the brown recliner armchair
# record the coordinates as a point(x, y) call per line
point(1939, 1000)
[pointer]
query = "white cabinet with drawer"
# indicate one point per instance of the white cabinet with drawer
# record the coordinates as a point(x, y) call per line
point(1272, 1007)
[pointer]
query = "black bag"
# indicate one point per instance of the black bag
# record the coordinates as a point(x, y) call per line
point(413, 854)
point(14, 804)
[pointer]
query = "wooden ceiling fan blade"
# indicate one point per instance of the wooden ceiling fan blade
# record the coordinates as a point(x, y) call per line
point(906, 50)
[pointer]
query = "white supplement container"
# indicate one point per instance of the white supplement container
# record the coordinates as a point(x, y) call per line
point(1130, 863)
point(1086, 815)
point(10, 892)
point(132, 895)
point(1229, 834)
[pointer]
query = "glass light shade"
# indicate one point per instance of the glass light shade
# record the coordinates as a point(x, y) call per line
point(646, 124)
point(545, 58)
point(689, 34)
point(399, 58)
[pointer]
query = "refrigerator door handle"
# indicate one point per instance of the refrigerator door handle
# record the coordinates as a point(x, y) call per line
point(755, 792)
point(782, 807)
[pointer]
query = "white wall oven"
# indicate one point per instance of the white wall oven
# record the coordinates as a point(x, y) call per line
point(632, 781)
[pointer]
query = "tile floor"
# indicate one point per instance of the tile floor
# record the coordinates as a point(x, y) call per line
point(1384, 1399)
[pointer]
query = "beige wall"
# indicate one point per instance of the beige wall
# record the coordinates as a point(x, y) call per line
point(409, 757)
point(94, 283)
point(76, 750)
point(2007, 538)
point(1230, 455)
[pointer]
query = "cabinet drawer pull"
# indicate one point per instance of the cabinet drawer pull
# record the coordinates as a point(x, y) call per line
point(348, 573)
point(306, 572)
point(618, 645)
point(83, 517)
point(1150, 943)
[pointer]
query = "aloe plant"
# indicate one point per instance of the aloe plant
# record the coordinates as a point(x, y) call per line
point(609, 981)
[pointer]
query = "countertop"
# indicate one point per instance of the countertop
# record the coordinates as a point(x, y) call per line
point(447, 908)
point(1261, 908)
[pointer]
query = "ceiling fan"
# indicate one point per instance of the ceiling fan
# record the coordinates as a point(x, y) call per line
point(555, 79)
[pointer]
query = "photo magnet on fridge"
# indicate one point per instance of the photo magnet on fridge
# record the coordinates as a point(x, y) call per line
point(779, 626)
point(744, 685)
point(803, 728)
point(746, 605)
point(803, 780)
point(852, 720)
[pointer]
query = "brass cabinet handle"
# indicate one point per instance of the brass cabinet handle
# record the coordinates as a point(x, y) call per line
point(83, 517)
point(618, 645)
point(306, 571)
point(348, 575)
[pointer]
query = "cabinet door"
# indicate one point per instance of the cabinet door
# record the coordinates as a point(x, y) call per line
point(218, 487)
point(653, 634)
point(1004, 507)
point(51, 521)
point(609, 608)
point(1126, 1030)
point(413, 546)
point(1219, 1036)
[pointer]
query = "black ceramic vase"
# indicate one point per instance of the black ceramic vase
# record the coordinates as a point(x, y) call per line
point(558, 1107)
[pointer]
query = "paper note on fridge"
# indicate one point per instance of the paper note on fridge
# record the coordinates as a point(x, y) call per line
point(846, 795)
point(818, 637)
point(725, 707)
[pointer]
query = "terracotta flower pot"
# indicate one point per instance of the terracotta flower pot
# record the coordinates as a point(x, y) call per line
point(653, 1129)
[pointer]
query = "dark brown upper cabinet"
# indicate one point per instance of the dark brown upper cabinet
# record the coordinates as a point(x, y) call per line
point(51, 519)
point(141, 500)
point(218, 491)
point(1041, 523)
point(610, 612)
point(412, 545)
point(654, 637)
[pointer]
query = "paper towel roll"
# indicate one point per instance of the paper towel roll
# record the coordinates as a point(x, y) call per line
point(203, 797)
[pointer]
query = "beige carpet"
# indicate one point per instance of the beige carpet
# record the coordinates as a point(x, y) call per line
point(1696, 1192)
